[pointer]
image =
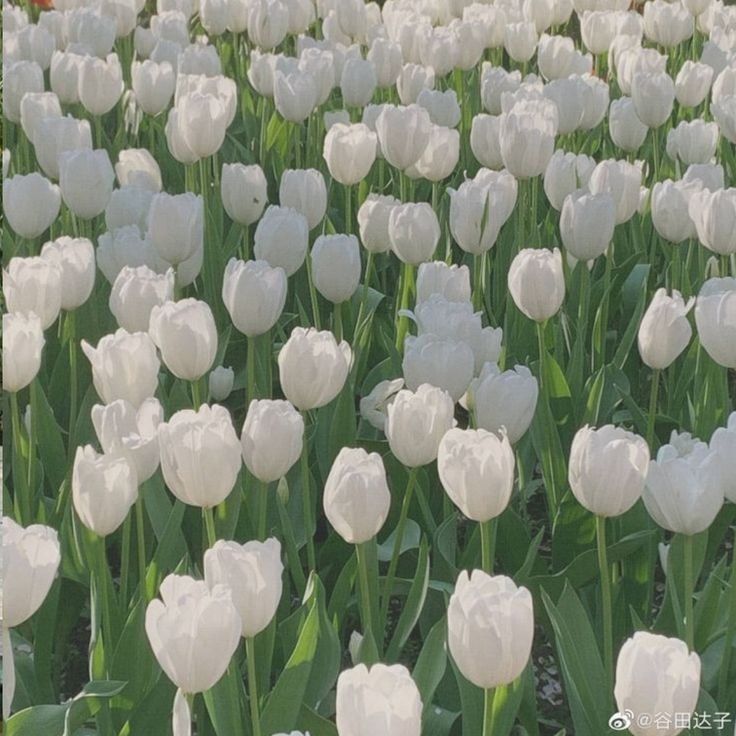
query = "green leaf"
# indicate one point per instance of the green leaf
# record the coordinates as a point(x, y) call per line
point(432, 662)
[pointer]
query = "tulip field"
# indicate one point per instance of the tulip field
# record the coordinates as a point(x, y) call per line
point(369, 368)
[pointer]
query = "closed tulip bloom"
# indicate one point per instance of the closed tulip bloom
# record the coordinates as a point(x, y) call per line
point(244, 192)
point(56, 135)
point(124, 366)
point(565, 173)
point(587, 222)
point(356, 496)
point(635, 59)
point(442, 107)
point(485, 141)
point(19, 77)
point(252, 573)
point(33, 285)
point(596, 95)
point(100, 83)
point(476, 468)
point(313, 367)
point(490, 628)
point(64, 76)
point(723, 443)
point(186, 335)
point(693, 83)
point(655, 669)
point(272, 438)
point(281, 238)
point(707, 176)
point(537, 282)
point(122, 429)
point(724, 113)
point(627, 131)
point(373, 222)
point(494, 82)
point(75, 258)
point(153, 85)
point(450, 281)
point(684, 488)
point(414, 231)
point(669, 208)
point(349, 151)
point(336, 266)
point(304, 190)
point(203, 121)
point(386, 57)
point(136, 167)
point(527, 137)
point(428, 407)
point(653, 95)
point(412, 79)
point(664, 331)
point(714, 216)
point(715, 317)
point(403, 133)
point(520, 41)
point(440, 157)
point(104, 488)
point(439, 361)
point(23, 343)
point(30, 203)
point(200, 455)
point(193, 632)
point(86, 179)
point(176, 226)
point(383, 699)
point(294, 94)
point(357, 82)
point(125, 247)
point(268, 23)
point(693, 142)
point(128, 205)
point(607, 469)
point(622, 180)
point(667, 24)
point(505, 400)
point(34, 107)
point(135, 292)
point(220, 382)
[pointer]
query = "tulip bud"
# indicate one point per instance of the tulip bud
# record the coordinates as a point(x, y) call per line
point(31, 203)
point(715, 317)
point(714, 216)
point(386, 57)
point(667, 24)
point(294, 95)
point(403, 134)
point(34, 107)
point(122, 429)
point(627, 131)
point(200, 455)
point(104, 488)
point(252, 573)
point(186, 335)
point(693, 83)
point(476, 469)
point(100, 83)
point(23, 342)
point(414, 231)
point(304, 190)
point(527, 137)
point(693, 142)
point(33, 285)
point(374, 406)
point(336, 266)
point(653, 95)
point(357, 82)
point(437, 277)
point(537, 282)
point(440, 157)
point(707, 176)
point(684, 488)
point(493, 83)
point(281, 238)
point(654, 669)
point(356, 497)
point(75, 258)
point(86, 178)
point(412, 79)
point(313, 367)
point(19, 78)
point(622, 181)
point(64, 77)
point(373, 222)
point(429, 407)
point(176, 226)
point(670, 209)
point(485, 142)
point(381, 699)
point(57, 135)
point(520, 40)
point(135, 292)
point(504, 400)
point(124, 366)
point(442, 362)
point(490, 628)
point(244, 192)
point(193, 633)
point(664, 331)
point(587, 222)
point(442, 107)
point(607, 469)
point(126, 247)
point(221, 382)
point(349, 151)
point(268, 23)
point(474, 221)
point(153, 85)
point(136, 167)
point(723, 443)
point(565, 173)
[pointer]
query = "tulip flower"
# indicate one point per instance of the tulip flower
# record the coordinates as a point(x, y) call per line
point(135, 292)
point(31, 203)
point(75, 258)
point(176, 226)
point(23, 343)
point(281, 238)
point(537, 283)
point(86, 178)
point(220, 382)
point(34, 285)
point(349, 151)
point(304, 190)
point(715, 308)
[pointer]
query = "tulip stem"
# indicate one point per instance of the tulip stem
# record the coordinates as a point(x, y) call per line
point(348, 210)
point(196, 395)
point(689, 590)
point(389, 585)
point(32, 445)
point(255, 717)
point(653, 393)
point(209, 525)
point(338, 322)
point(125, 560)
point(307, 501)
point(73, 383)
point(365, 595)
point(312, 293)
point(251, 371)
point(730, 631)
point(600, 357)
point(606, 599)
point(490, 708)
point(402, 326)
point(22, 500)
point(140, 532)
point(363, 298)
point(488, 544)
point(542, 359)
point(262, 509)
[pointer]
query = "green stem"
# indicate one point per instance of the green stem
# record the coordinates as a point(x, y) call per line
point(106, 618)
point(262, 509)
point(494, 701)
point(312, 293)
point(365, 595)
point(605, 571)
point(389, 584)
point(487, 544)
point(140, 532)
point(22, 500)
point(73, 382)
point(728, 639)
point(125, 560)
point(542, 358)
point(402, 327)
point(689, 590)
point(307, 501)
point(363, 296)
point(196, 395)
point(601, 347)
point(337, 310)
point(478, 264)
point(348, 210)
point(255, 717)
point(209, 525)
point(651, 417)
point(32, 444)
point(252, 388)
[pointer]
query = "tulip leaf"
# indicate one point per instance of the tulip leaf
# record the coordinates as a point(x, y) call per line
point(315, 724)
point(431, 663)
point(224, 703)
point(471, 698)
point(48, 435)
point(410, 540)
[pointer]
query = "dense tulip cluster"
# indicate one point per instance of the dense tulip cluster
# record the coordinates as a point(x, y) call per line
point(414, 341)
